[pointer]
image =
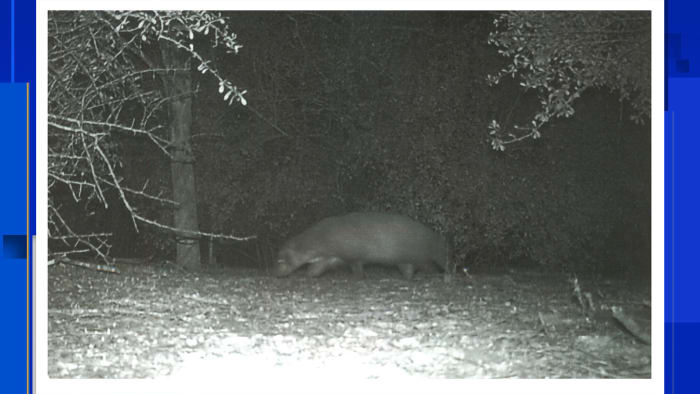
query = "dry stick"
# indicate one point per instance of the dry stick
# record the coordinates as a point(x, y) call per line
point(631, 326)
point(81, 239)
point(92, 235)
point(193, 234)
point(601, 372)
point(96, 267)
point(106, 125)
point(116, 183)
point(139, 193)
point(100, 194)
point(274, 126)
point(53, 261)
point(544, 324)
point(160, 142)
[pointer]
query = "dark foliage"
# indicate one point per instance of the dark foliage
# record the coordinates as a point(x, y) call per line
point(559, 55)
point(386, 111)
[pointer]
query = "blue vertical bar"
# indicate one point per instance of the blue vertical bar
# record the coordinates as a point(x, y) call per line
point(14, 266)
point(18, 200)
point(5, 41)
point(683, 99)
point(24, 72)
point(682, 316)
point(669, 365)
point(666, 57)
point(12, 41)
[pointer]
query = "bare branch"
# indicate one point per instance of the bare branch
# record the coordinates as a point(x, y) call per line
point(193, 234)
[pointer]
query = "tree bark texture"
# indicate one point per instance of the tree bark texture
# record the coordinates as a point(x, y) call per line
point(178, 86)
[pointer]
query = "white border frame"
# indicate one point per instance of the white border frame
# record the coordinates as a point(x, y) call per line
point(234, 383)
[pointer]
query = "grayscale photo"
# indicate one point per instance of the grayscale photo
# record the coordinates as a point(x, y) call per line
point(349, 194)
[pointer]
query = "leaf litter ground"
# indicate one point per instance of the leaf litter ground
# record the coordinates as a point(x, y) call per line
point(153, 320)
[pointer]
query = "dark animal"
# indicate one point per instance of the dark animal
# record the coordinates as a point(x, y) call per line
point(361, 238)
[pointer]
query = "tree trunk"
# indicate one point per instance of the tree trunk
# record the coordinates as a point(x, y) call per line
point(178, 86)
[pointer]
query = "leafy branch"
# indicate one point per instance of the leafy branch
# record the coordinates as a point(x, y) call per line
point(104, 84)
point(562, 54)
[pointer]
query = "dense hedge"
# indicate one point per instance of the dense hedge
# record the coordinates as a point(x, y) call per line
point(388, 112)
